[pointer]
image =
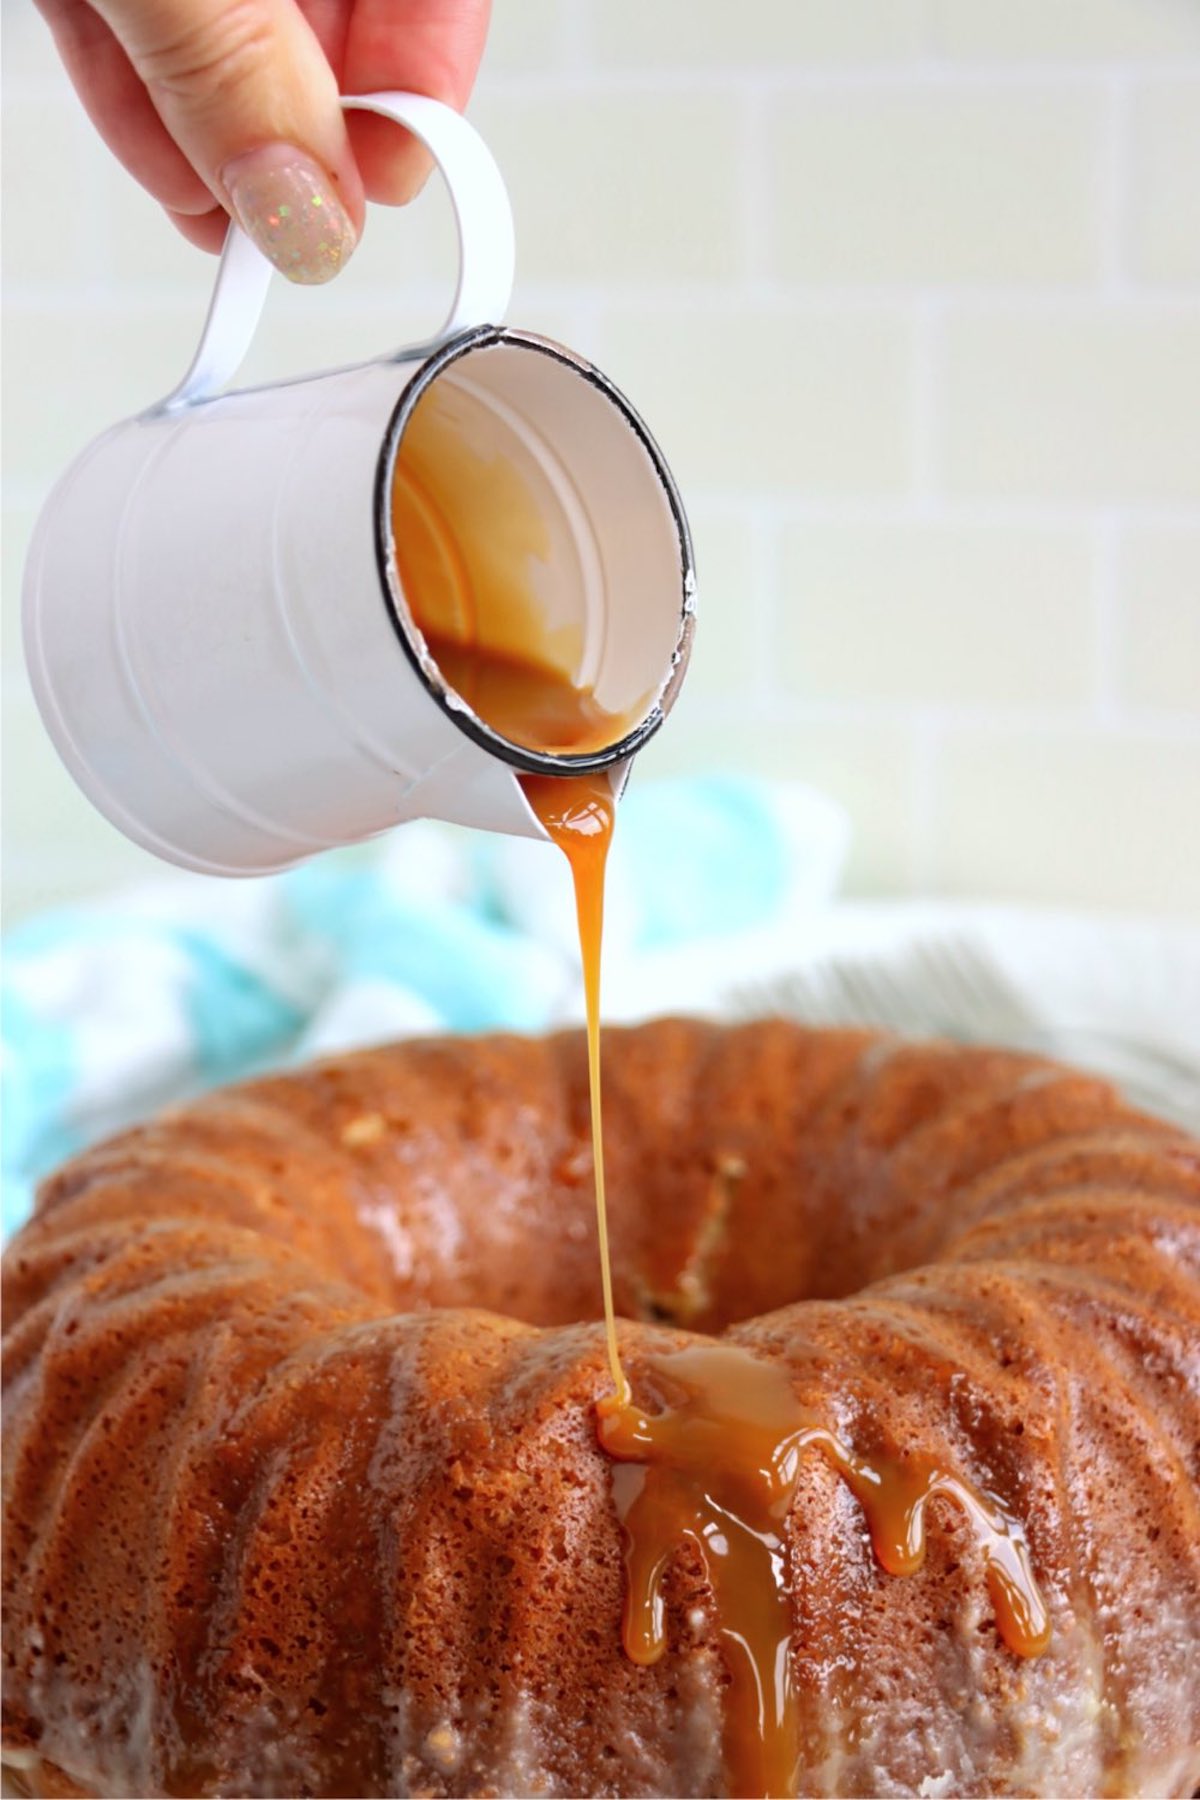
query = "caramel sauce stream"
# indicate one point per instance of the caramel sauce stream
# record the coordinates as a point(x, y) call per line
point(708, 1451)
point(577, 812)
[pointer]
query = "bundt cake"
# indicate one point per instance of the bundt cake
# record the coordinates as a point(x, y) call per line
point(304, 1492)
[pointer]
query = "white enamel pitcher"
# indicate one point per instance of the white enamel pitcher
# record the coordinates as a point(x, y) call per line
point(215, 628)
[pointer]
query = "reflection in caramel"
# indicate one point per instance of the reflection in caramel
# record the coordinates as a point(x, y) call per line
point(714, 1458)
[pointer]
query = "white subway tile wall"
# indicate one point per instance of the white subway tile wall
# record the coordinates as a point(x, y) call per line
point(932, 183)
point(909, 290)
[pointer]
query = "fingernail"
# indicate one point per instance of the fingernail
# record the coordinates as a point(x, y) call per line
point(286, 203)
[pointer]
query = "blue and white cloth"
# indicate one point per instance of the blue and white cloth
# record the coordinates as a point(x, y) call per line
point(114, 1008)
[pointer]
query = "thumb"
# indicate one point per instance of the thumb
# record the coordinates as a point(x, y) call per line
point(245, 90)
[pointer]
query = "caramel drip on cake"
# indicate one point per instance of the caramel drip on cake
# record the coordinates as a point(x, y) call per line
point(712, 1456)
point(894, 1495)
point(714, 1462)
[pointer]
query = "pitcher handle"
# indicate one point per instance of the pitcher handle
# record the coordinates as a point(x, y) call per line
point(486, 251)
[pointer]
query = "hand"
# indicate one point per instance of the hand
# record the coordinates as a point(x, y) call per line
point(230, 108)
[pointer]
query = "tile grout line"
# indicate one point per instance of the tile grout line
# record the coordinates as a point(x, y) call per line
point(1107, 658)
point(589, 325)
point(928, 329)
point(770, 295)
point(1050, 722)
point(576, 37)
point(872, 77)
point(757, 196)
point(990, 513)
point(24, 493)
point(576, 76)
point(935, 71)
point(927, 750)
point(766, 601)
point(1116, 191)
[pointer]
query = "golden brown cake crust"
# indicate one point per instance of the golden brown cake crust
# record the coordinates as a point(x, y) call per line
point(302, 1488)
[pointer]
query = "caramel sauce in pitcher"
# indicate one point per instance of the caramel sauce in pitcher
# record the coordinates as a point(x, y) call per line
point(707, 1448)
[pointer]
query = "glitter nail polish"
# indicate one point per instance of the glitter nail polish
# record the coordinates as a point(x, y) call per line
point(286, 203)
